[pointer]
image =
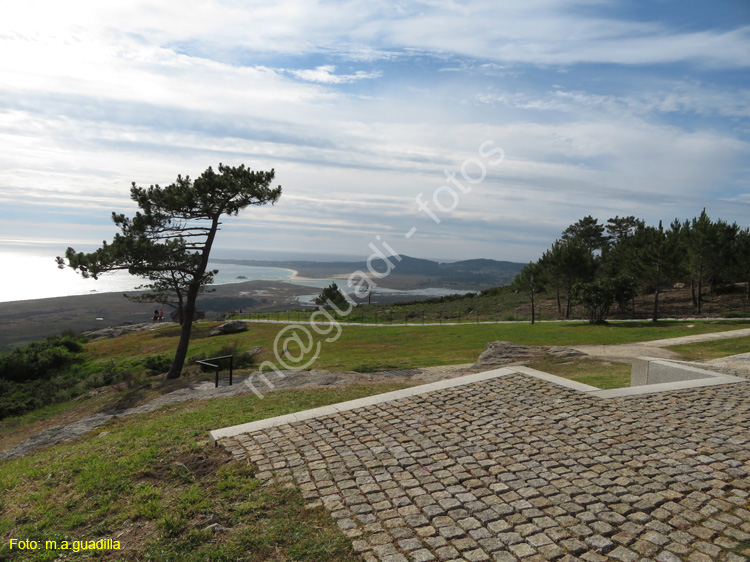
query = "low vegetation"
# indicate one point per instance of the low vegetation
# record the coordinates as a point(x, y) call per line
point(66, 367)
point(153, 483)
point(43, 373)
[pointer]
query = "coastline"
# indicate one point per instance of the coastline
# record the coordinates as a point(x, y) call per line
point(129, 284)
point(23, 321)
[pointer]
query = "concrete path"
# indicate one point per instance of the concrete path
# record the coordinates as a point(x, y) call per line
point(656, 348)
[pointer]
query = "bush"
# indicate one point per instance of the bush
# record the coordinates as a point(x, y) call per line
point(43, 373)
point(40, 360)
point(598, 296)
point(157, 364)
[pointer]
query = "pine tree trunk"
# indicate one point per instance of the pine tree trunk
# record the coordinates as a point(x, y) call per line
point(559, 304)
point(633, 302)
point(190, 299)
point(187, 326)
point(655, 315)
point(700, 294)
point(533, 316)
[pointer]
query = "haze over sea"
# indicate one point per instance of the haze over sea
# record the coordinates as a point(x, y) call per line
point(33, 274)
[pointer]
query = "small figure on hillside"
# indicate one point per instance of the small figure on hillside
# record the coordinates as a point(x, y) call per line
point(161, 315)
point(156, 316)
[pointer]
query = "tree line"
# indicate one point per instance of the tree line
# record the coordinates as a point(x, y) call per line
point(598, 264)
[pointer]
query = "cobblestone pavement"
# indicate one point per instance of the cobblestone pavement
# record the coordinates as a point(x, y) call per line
point(519, 469)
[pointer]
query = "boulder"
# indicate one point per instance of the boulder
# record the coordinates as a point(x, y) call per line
point(502, 353)
point(233, 327)
point(251, 353)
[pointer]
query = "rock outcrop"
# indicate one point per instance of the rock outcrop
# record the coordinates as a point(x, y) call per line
point(117, 331)
point(504, 353)
point(233, 327)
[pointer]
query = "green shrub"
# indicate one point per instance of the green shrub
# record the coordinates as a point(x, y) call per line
point(157, 363)
point(40, 360)
point(47, 372)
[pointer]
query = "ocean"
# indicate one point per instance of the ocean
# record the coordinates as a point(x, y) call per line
point(33, 274)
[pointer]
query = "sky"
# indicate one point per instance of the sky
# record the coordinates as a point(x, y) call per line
point(442, 129)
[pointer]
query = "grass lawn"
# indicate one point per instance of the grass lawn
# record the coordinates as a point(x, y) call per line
point(713, 349)
point(153, 482)
point(588, 370)
point(372, 348)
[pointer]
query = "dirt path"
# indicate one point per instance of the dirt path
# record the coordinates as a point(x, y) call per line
point(655, 348)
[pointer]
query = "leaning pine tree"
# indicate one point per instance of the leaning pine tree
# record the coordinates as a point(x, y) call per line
point(169, 241)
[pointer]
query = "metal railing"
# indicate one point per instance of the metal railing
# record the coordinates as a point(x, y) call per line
point(218, 368)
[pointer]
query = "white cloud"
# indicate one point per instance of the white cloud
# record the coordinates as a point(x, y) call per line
point(325, 75)
point(660, 97)
point(537, 32)
point(96, 95)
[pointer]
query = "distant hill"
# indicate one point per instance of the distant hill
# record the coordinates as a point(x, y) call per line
point(467, 274)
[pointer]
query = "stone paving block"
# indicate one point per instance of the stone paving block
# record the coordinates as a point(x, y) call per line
point(517, 468)
point(599, 543)
point(422, 555)
point(447, 553)
point(624, 555)
point(522, 549)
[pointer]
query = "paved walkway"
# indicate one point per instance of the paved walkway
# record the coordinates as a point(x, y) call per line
point(656, 348)
point(517, 468)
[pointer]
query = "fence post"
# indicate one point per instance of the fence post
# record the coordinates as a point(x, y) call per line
point(231, 368)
